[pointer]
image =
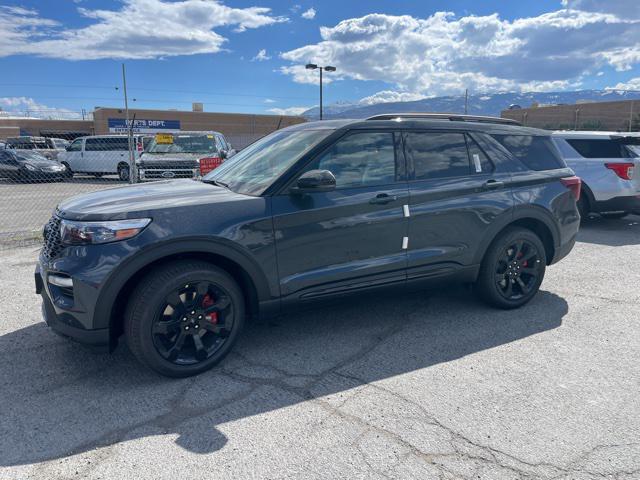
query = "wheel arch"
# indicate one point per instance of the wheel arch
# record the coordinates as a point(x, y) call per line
point(535, 219)
point(116, 293)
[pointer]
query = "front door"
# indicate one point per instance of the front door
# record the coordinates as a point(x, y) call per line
point(73, 156)
point(351, 237)
point(456, 192)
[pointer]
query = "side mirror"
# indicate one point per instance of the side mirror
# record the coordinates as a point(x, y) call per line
point(223, 154)
point(315, 181)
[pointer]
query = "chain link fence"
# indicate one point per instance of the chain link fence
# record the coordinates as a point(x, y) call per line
point(37, 173)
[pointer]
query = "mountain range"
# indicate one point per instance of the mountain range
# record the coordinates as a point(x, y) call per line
point(481, 104)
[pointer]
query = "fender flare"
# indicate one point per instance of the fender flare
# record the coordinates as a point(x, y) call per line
point(522, 212)
point(118, 278)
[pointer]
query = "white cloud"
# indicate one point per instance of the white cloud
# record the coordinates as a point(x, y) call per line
point(444, 54)
point(289, 110)
point(309, 14)
point(269, 100)
point(139, 29)
point(29, 108)
point(261, 56)
point(633, 84)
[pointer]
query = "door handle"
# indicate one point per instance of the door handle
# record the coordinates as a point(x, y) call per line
point(493, 185)
point(383, 199)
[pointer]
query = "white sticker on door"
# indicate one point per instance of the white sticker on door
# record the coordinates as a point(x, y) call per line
point(476, 162)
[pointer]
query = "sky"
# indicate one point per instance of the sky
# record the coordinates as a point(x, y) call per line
point(58, 57)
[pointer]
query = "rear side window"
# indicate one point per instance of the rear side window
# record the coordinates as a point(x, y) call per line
point(106, 144)
point(437, 155)
point(536, 152)
point(599, 148)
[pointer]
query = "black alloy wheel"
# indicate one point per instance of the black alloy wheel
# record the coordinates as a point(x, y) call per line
point(193, 323)
point(184, 317)
point(512, 269)
point(518, 270)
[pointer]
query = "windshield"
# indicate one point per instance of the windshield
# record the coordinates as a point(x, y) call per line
point(183, 144)
point(256, 167)
point(31, 156)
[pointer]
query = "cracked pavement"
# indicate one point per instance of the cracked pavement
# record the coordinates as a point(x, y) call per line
point(429, 385)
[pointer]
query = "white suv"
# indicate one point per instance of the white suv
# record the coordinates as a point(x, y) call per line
point(102, 154)
point(609, 165)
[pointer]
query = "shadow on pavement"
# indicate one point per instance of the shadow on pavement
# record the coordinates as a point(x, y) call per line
point(57, 399)
point(610, 232)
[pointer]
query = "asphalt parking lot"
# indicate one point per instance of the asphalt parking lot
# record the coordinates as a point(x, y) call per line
point(26, 207)
point(422, 385)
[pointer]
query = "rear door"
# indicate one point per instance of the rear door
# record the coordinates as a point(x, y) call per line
point(351, 237)
point(456, 192)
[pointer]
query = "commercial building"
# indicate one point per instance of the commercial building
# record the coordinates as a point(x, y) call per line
point(613, 116)
point(240, 129)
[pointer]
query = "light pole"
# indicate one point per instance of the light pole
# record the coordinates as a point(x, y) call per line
point(328, 68)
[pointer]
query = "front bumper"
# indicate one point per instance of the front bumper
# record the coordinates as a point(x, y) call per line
point(629, 203)
point(65, 317)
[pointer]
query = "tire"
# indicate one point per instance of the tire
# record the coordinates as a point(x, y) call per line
point(68, 172)
point(166, 342)
point(123, 172)
point(614, 215)
point(584, 207)
point(516, 259)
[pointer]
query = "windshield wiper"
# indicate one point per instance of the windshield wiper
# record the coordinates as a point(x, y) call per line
point(217, 183)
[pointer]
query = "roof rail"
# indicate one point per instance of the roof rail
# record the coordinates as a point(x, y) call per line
point(453, 117)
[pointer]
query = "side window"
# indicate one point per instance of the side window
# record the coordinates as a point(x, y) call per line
point(564, 148)
point(536, 152)
point(76, 146)
point(116, 144)
point(480, 163)
point(92, 145)
point(437, 155)
point(360, 159)
point(605, 148)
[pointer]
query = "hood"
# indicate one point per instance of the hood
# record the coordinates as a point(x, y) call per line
point(144, 199)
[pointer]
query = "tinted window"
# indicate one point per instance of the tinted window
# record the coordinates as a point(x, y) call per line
point(76, 146)
point(596, 148)
point(480, 163)
point(106, 144)
point(360, 159)
point(536, 152)
point(437, 155)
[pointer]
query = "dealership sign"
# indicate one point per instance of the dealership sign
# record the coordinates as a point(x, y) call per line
point(119, 125)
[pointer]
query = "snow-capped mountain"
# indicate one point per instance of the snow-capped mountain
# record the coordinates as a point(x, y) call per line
point(486, 104)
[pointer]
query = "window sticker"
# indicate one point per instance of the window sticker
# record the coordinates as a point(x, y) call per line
point(476, 162)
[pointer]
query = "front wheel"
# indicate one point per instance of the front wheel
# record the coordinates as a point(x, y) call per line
point(512, 269)
point(184, 318)
point(123, 172)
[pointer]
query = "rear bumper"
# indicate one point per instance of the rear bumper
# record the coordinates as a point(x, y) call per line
point(619, 204)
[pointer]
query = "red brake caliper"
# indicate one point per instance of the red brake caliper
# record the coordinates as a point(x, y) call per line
point(212, 317)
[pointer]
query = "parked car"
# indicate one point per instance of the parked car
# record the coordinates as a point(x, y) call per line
point(29, 166)
point(100, 155)
point(41, 145)
point(60, 144)
point(609, 168)
point(183, 155)
point(306, 214)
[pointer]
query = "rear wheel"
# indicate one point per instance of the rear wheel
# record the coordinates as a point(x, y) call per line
point(513, 269)
point(123, 172)
point(614, 215)
point(184, 318)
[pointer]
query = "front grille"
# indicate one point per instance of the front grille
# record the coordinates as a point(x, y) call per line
point(52, 241)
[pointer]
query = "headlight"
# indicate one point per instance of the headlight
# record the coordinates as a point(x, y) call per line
point(30, 167)
point(83, 233)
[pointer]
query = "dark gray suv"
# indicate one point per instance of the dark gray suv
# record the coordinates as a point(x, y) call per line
point(308, 213)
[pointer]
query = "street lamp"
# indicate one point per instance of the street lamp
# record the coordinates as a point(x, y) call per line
point(328, 68)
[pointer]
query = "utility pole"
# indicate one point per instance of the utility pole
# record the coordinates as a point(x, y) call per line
point(466, 101)
point(133, 170)
point(631, 116)
point(321, 92)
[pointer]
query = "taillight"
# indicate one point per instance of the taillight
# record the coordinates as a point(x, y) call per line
point(574, 184)
point(209, 163)
point(623, 170)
